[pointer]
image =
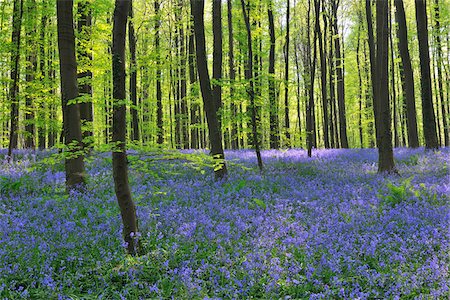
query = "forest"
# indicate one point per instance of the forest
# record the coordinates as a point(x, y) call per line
point(224, 149)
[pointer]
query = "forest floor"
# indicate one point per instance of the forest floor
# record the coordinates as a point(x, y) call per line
point(328, 227)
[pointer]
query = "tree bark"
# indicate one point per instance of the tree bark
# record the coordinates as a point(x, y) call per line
point(133, 77)
point(323, 77)
point(286, 78)
point(119, 155)
point(339, 78)
point(217, 58)
point(14, 85)
point(74, 164)
point(407, 75)
point(84, 50)
point(439, 58)
point(215, 137)
point(195, 108)
point(273, 110)
point(385, 152)
point(429, 121)
point(232, 70)
point(30, 74)
point(249, 78)
point(159, 107)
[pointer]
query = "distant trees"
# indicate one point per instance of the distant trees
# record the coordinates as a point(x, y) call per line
point(333, 98)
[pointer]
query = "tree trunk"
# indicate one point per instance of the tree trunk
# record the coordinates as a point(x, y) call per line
point(286, 78)
point(14, 85)
point(323, 77)
point(249, 78)
point(273, 110)
point(184, 118)
point(84, 50)
point(339, 78)
point(159, 108)
point(119, 155)
point(372, 56)
point(42, 115)
point(358, 64)
point(215, 137)
point(74, 164)
point(133, 77)
point(439, 58)
point(407, 75)
point(30, 74)
point(385, 152)
point(217, 59)
point(233, 106)
point(429, 121)
point(195, 108)
point(393, 91)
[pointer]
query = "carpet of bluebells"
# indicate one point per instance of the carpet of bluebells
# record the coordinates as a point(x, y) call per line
point(326, 227)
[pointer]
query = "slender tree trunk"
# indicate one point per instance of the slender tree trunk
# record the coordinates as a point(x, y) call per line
point(215, 137)
point(439, 58)
point(133, 77)
point(393, 91)
point(232, 70)
point(30, 74)
point(43, 75)
point(250, 88)
point(372, 55)
point(323, 77)
point(195, 108)
point(429, 121)
point(74, 164)
point(119, 155)
point(14, 85)
point(407, 76)
point(358, 63)
point(217, 58)
point(273, 110)
point(159, 107)
point(286, 77)
point(84, 57)
point(339, 78)
point(385, 152)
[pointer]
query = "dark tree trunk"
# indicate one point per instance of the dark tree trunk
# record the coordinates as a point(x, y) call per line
point(310, 124)
point(429, 121)
point(273, 110)
point(249, 78)
point(372, 55)
point(14, 85)
point(385, 152)
point(233, 106)
point(286, 77)
point(85, 76)
point(159, 107)
point(184, 118)
point(299, 98)
point(217, 58)
point(339, 78)
point(439, 58)
point(42, 115)
point(119, 155)
point(215, 137)
point(195, 108)
point(133, 78)
point(30, 74)
point(407, 75)
point(358, 63)
point(74, 164)
point(323, 77)
point(393, 91)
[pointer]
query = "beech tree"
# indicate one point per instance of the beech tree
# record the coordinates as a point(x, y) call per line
point(74, 163)
point(209, 103)
point(429, 120)
point(119, 155)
